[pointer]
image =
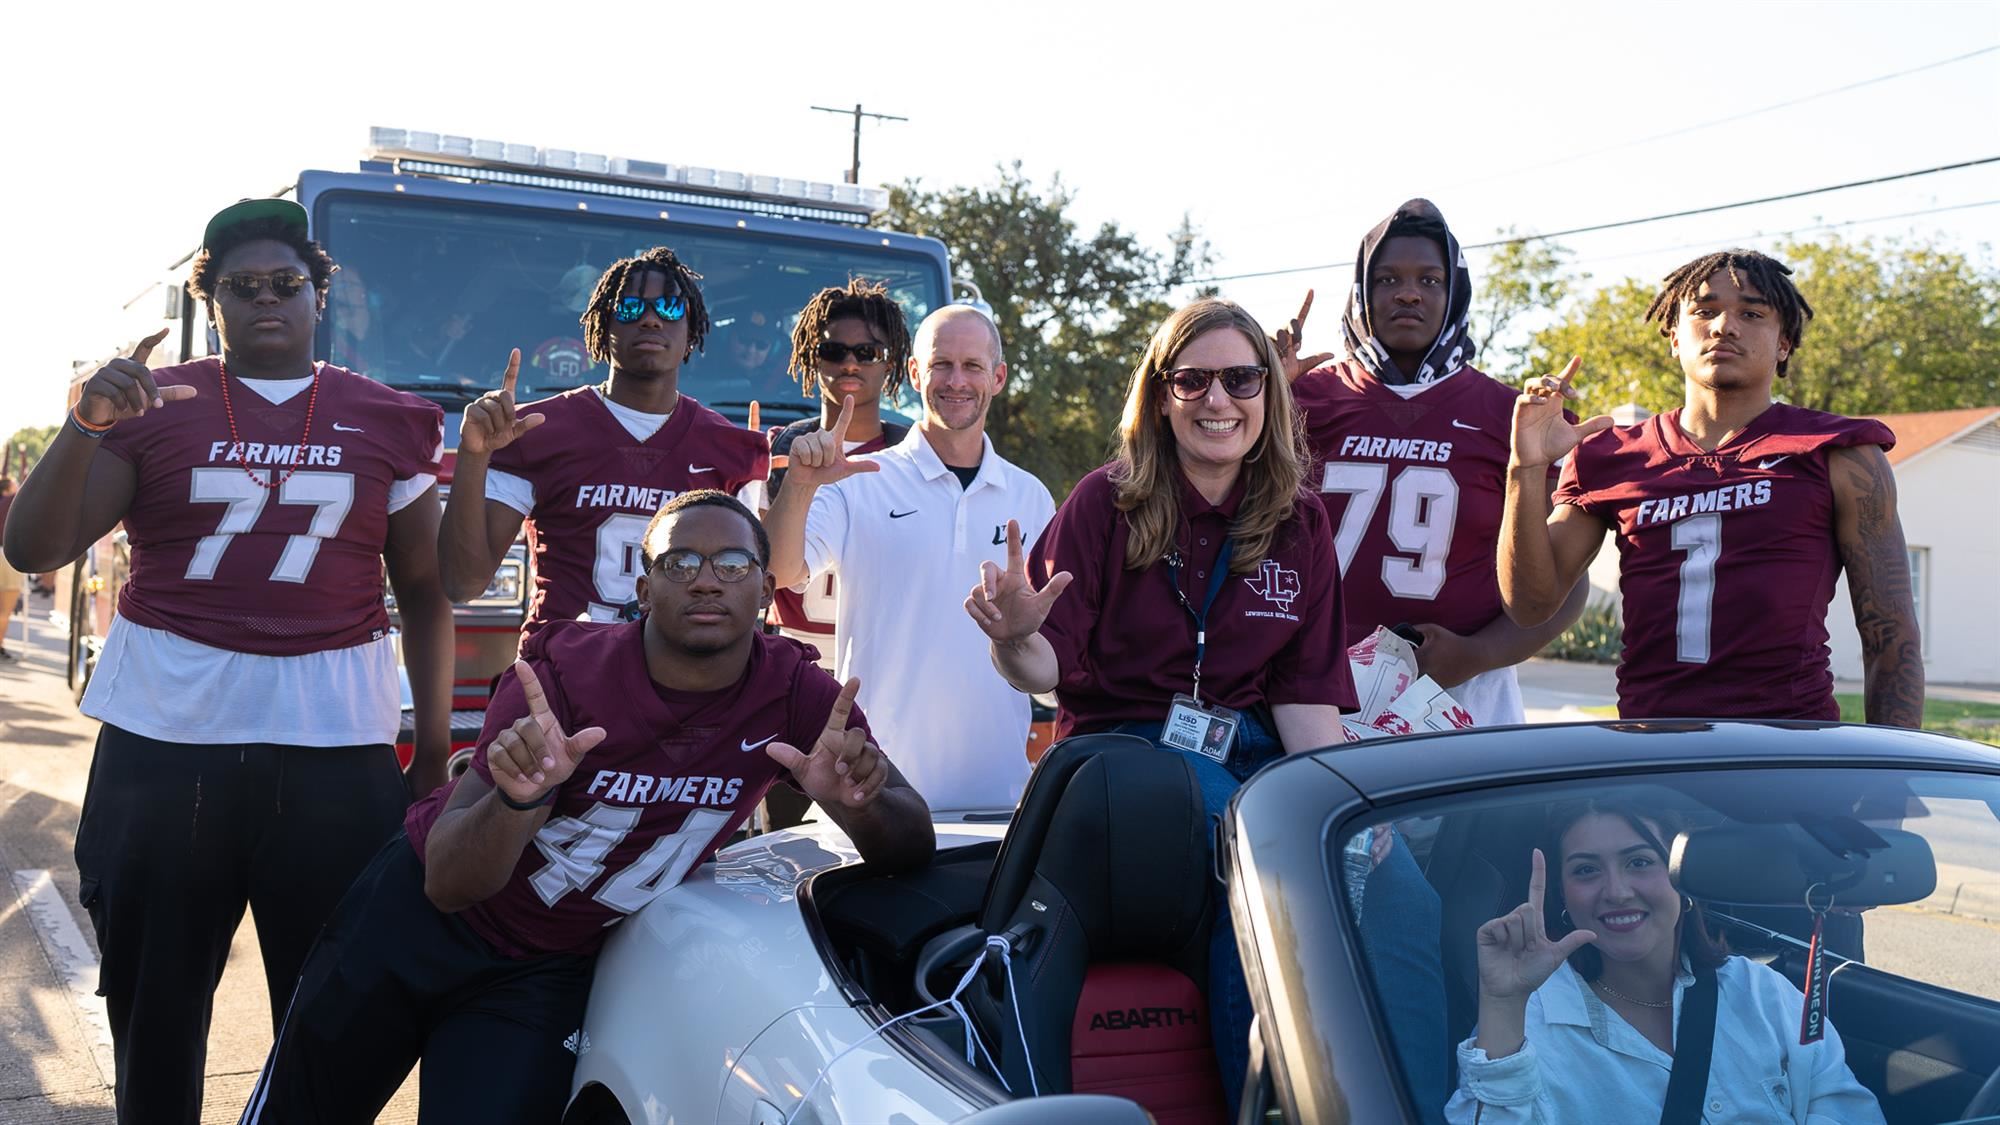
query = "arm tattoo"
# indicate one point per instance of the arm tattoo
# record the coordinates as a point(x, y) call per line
point(1870, 538)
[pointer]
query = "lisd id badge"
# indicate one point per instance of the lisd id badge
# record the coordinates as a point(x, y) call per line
point(1200, 729)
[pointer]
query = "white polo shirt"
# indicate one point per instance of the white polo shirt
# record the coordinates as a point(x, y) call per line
point(907, 543)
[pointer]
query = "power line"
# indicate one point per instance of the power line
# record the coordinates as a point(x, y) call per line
point(1595, 227)
point(1741, 238)
point(1734, 117)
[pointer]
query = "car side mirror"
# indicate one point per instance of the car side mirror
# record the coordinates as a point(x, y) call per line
point(1778, 864)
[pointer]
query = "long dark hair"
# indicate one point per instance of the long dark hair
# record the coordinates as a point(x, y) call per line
point(1656, 827)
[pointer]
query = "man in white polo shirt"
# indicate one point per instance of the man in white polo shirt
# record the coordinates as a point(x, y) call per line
point(906, 529)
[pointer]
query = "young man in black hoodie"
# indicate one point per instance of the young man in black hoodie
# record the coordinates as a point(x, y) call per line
point(1409, 444)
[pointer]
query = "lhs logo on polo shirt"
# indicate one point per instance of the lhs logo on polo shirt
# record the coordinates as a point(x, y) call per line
point(1274, 584)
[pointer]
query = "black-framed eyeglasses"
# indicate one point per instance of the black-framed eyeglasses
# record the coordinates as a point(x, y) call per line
point(628, 310)
point(732, 564)
point(832, 351)
point(285, 284)
point(1191, 383)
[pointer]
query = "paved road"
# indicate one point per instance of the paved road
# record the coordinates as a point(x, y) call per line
point(55, 1058)
point(55, 1054)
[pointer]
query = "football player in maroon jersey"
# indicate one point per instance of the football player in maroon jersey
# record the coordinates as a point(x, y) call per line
point(587, 468)
point(1734, 515)
point(248, 685)
point(850, 342)
point(614, 759)
point(1409, 451)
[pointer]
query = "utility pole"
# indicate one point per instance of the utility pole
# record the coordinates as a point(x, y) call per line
point(854, 172)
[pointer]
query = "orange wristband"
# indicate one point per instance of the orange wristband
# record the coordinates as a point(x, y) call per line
point(87, 427)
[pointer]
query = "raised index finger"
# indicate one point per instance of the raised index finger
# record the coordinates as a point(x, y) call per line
point(1015, 562)
point(1538, 881)
point(538, 701)
point(1568, 372)
point(840, 424)
point(1299, 322)
point(513, 373)
point(843, 706)
point(147, 345)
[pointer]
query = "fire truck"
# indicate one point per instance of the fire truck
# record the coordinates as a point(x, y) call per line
point(453, 250)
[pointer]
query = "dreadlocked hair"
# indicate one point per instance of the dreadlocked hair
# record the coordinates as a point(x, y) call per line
point(597, 319)
point(208, 260)
point(860, 299)
point(1771, 278)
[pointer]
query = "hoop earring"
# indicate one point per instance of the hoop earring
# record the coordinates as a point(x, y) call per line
point(1687, 904)
point(1566, 920)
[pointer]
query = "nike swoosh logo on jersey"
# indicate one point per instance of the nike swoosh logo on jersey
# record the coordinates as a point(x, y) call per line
point(749, 745)
point(348, 429)
point(1460, 425)
point(702, 469)
point(896, 515)
point(1770, 462)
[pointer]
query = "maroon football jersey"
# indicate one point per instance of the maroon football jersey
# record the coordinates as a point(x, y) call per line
point(1414, 489)
point(674, 776)
point(811, 610)
point(219, 558)
point(1125, 645)
point(597, 487)
point(1726, 560)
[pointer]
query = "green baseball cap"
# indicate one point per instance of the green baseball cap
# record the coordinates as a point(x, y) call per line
point(250, 210)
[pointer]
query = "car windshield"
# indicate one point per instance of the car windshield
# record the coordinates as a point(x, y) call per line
point(431, 294)
point(1901, 868)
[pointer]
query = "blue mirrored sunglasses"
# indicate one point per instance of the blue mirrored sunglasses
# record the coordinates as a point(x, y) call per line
point(630, 309)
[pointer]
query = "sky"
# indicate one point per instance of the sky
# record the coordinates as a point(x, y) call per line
point(1284, 131)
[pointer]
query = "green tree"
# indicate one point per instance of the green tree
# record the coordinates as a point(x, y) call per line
point(1520, 278)
point(1898, 326)
point(29, 443)
point(1624, 358)
point(1075, 308)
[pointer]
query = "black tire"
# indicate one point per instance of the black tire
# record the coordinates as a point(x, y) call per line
point(595, 1106)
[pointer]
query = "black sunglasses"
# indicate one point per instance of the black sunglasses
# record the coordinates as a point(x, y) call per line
point(285, 284)
point(831, 351)
point(681, 565)
point(628, 310)
point(1191, 383)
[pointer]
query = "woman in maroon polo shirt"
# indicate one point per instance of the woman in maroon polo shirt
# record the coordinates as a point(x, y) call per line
point(1211, 460)
point(1195, 597)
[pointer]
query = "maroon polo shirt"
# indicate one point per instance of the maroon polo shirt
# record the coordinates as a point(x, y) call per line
point(1125, 645)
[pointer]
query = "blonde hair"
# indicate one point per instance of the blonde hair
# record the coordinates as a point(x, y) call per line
point(1148, 457)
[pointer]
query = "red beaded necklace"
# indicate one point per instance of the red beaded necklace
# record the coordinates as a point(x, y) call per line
point(236, 443)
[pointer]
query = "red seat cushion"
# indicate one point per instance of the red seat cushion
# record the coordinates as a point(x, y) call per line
point(1141, 1032)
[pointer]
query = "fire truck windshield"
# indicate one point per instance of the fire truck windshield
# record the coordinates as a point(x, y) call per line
point(431, 295)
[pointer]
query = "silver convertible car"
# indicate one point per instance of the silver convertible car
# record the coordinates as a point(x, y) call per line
point(1050, 965)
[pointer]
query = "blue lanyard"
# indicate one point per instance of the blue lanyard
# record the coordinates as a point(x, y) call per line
point(1215, 582)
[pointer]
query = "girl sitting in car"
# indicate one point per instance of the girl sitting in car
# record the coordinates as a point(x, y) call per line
point(1578, 1010)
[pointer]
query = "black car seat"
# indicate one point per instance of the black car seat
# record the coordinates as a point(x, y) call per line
point(1104, 894)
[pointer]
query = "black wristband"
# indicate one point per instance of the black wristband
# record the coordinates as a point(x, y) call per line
point(529, 806)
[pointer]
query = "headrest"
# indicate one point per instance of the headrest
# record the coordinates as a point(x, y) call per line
point(1128, 848)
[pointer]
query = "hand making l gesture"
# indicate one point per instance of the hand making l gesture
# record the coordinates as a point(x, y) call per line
point(124, 388)
point(821, 457)
point(1006, 604)
point(1541, 433)
point(490, 422)
point(1515, 953)
point(535, 755)
point(844, 768)
point(1291, 338)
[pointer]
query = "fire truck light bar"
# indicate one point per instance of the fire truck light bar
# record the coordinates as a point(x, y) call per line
point(443, 155)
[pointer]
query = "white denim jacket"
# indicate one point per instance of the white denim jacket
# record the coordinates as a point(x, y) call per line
point(1583, 1063)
